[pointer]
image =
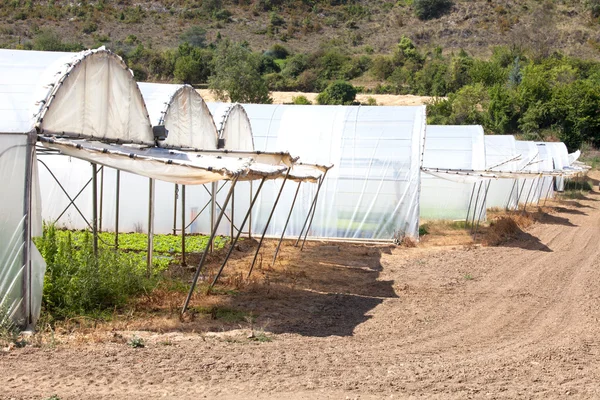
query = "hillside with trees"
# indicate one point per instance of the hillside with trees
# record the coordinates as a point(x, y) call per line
point(529, 68)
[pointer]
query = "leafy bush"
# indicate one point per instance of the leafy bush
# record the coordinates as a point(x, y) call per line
point(277, 52)
point(237, 74)
point(78, 282)
point(301, 100)
point(428, 9)
point(338, 92)
point(195, 36)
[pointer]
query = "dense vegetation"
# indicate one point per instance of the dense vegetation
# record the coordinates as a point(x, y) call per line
point(78, 282)
point(524, 87)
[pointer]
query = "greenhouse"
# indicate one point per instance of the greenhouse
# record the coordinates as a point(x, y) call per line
point(459, 147)
point(373, 192)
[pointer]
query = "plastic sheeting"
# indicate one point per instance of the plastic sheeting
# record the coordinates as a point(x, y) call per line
point(501, 155)
point(450, 147)
point(20, 297)
point(184, 114)
point(373, 190)
point(527, 189)
point(91, 93)
point(233, 126)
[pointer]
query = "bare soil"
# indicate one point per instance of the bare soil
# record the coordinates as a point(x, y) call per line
point(340, 321)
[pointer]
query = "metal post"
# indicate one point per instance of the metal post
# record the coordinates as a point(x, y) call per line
point(268, 221)
point(487, 187)
point(95, 209)
point(527, 199)
point(286, 223)
point(250, 217)
point(313, 204)
point(549, 188)
point(175, 210)
point(232, 214)
point(213, 211)
point(313, 212)
point(183, 263)
point(237, 237)
point(206, 250)
point(27, 199)
point(511, 192)
point(519, 197)
point(101, 197)
point(150, 226)
point(470, 202)
point(475, 207)
point(117, 200)
point(540, 186)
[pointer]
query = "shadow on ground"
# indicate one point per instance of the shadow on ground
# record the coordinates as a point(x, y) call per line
point(327, 289)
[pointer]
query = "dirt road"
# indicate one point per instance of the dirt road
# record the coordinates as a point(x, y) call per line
point(516, 321)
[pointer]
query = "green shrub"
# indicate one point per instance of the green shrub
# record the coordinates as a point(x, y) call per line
point(77, 282)
point(195, 36)
point(301, 100)
point(338, 92)
point(428, 9)
point(278, 52)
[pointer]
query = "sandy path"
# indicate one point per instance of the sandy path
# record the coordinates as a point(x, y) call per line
point(381, 99)
point(518, 321)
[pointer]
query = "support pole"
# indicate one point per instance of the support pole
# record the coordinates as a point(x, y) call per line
point(213, 211)
point(250, 217)
point(232, 214)
point(206, 250)
point(527, 199)
point(313, 204)
point(537, 188)
point(511, 192)
point(548, 191)
point(475, 207)
point(101, 197)
point(286, 223)
point(27, 213)
point(483, 203)
point(95, 209)
point(237, 236)
point(117, 200)
point(175, 210)
point(470, 202)
point(268, 221)
point(183, 263)
point(314, 211)
point(519, 197)
point(150, 226)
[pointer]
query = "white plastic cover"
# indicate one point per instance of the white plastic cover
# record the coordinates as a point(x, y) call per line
point(13, 235)
point(183, 112)
point(501, 155)
point(373, 190)
point(546, 165)
point(452, 147)
point(528, 189)
point(233, 125)
point(560, 157)
point(90, 93)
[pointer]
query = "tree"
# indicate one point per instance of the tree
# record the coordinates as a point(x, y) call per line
point(428, 9)
point(338, 92)
point(195, 36)
point(237, 75)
